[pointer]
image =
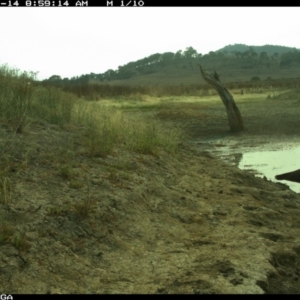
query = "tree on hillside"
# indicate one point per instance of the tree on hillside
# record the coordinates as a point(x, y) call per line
point(245, 54)
point(264, 59)
point(109, 74)
point(234, 116)
point(190, 52)
point(238, 54)
point(166, 58)
point(254, 55)
point(54, 78)
point(178, 55)
point(289, 58)
point(154, 58)
point(263, 56)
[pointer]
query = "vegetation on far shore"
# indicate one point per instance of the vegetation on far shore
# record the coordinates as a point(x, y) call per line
point(236, 62)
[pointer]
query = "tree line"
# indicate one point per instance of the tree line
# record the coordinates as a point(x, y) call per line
point(186, 59)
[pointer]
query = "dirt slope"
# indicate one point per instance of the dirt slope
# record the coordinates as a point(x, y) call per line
point(133, 223)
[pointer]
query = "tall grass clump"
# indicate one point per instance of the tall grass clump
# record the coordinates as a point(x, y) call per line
point(102, 127)
point(21, 100)
point(106, 128)
point(52, 105)
point(148, 137)
point(16, 89)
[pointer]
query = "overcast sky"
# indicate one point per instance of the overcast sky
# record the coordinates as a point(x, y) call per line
point(74, 41)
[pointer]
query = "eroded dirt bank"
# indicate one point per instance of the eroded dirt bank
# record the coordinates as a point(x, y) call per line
point(154, 224)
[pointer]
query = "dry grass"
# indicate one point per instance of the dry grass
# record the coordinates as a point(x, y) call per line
point(100, 128)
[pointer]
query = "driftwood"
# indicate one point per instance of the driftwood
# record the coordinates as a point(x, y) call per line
point(233, 113)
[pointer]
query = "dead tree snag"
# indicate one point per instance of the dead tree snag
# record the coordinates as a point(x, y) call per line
point(233, 113)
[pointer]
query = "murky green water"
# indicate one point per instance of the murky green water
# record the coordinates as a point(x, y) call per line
point(266, 158)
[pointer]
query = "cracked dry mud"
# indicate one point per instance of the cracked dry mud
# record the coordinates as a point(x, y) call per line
point(156, 224)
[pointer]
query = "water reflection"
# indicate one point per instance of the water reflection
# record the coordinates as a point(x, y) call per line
point(266, 163)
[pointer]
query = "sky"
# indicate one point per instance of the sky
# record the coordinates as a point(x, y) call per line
point(81, 40)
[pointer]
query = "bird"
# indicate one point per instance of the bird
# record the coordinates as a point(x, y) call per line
point(216, 76)
point(290, 176)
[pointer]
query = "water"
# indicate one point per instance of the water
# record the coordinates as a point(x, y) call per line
point(267, 159)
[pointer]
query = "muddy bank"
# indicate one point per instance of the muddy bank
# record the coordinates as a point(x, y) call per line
point(151, 224)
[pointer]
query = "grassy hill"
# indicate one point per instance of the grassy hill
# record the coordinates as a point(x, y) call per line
point(236, 64)
point(270, 49)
